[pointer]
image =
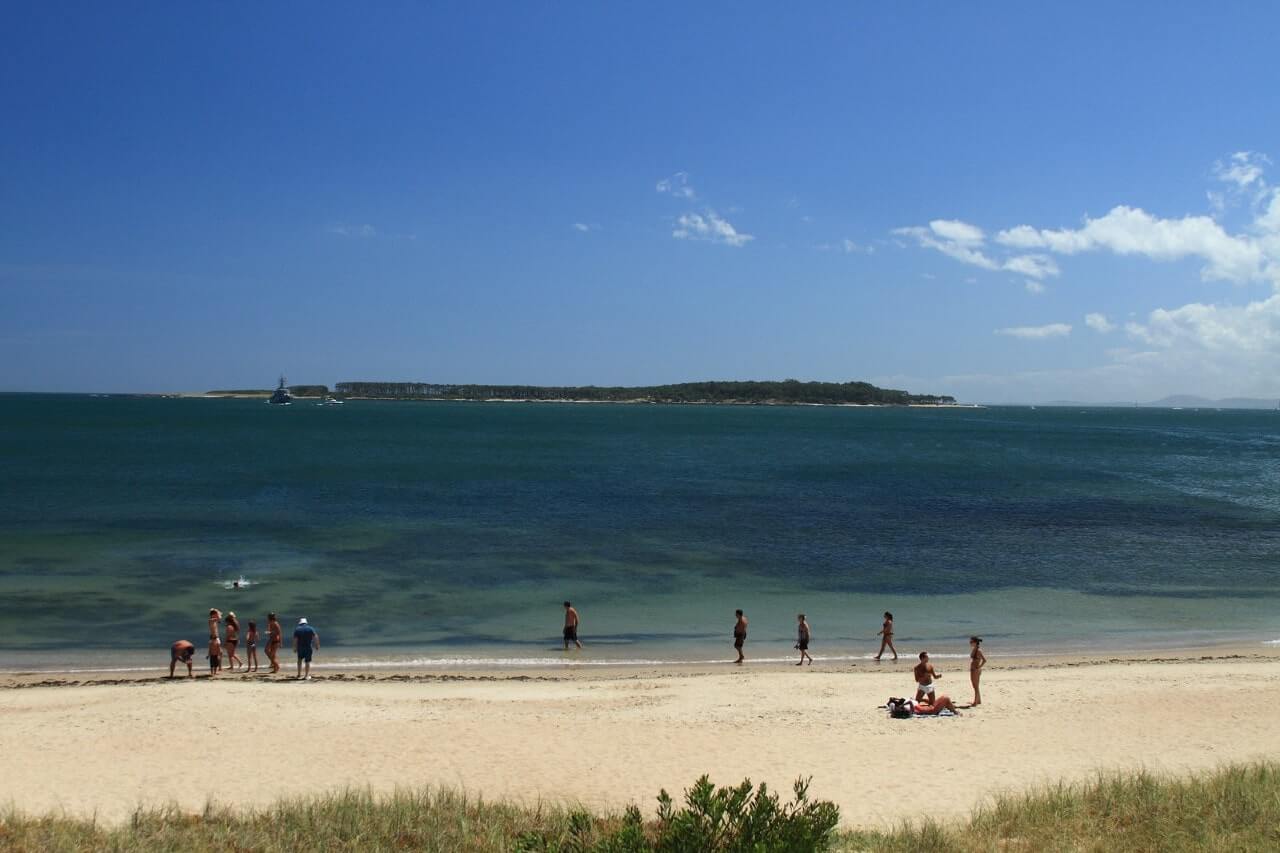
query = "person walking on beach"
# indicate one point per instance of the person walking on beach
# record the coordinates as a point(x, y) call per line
point(275, 636)
point(251, 648)
point(570, 626)
point(305, 640)
point(802, 641)
point(925, 675)
point(977, 660)
point(886, 637)
point(183, 650)
point(740, 635)
point(215, 655)
point(233, 639)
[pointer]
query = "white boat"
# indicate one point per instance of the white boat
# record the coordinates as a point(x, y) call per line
point(331, 401)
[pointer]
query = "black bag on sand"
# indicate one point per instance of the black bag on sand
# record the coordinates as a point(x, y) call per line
point(899, 709)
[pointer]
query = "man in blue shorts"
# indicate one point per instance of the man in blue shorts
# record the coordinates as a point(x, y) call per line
point(305, 640)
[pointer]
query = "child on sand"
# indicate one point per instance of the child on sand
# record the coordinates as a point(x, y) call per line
point(886, 637)
point(251, 647)
point(215, 655)
point(802, 641)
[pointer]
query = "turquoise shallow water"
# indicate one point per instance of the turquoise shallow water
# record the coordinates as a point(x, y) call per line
point(443, 532)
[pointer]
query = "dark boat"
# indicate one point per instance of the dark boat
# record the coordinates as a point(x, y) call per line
point(281, 396)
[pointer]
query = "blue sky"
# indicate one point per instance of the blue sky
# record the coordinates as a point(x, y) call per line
point(932, 196)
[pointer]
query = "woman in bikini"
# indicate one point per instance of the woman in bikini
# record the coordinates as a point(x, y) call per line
point(215, 616)
point(977, 660)
point(233, 639)
point(251, 648)
point(886, 637)
point(274, 637)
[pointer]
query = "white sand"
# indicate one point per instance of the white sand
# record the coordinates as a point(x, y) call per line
point(610, 741)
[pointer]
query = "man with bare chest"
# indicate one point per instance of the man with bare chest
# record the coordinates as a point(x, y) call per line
point(925, 676)
point(571, 626)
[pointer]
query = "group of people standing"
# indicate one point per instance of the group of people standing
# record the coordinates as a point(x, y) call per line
point(305, 641)
point(926, 700)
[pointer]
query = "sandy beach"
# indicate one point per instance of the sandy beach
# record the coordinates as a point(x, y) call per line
point(609, 739)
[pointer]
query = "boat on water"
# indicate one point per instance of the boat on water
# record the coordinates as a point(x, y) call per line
point(281, 396)
point(331, 401)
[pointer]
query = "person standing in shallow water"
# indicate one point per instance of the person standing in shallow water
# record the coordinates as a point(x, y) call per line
point(184, 651)
point(251, 647)
point(886, 637)
point(802, 641)
point(305, 640)
point(233, 640)
point(571, 626)
point(275, 636)
point(740, 635)
point(977, 660)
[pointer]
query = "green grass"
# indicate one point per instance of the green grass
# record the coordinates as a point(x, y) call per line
point(1236, 809)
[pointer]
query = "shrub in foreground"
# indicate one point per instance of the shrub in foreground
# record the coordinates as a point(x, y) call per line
point(741, 819)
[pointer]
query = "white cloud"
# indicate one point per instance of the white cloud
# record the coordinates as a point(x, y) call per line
point(957, 232)
point(1035, 333)
point(1252, 329)
point(358, 231)
point(1032, 266)
point(1132, 231)
point(1033, 287)
point(677, 185)
point(1099, 323)
point(1243, 169)
point(965, 243)
point(941, 235)
point(584, 227)
point(1251, 254)
point(709, 227)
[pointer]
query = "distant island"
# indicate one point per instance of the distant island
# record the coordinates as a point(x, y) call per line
point(788, 392)
point(1181, 401)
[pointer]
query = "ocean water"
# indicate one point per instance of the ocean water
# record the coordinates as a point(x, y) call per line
point(448, 534)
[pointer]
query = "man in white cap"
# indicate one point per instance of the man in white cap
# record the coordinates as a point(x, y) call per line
point(305, 640)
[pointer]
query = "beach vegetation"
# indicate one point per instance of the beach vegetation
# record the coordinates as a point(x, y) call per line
point(1233, 809)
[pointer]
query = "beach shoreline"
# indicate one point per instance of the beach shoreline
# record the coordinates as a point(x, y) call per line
point(99, 746)
point(574, 665)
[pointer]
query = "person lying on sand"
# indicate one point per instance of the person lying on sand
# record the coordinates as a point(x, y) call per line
point(183, 650)
point(925, 675)
point(935, 706)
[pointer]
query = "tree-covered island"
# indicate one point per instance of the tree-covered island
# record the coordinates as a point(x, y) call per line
point(788, 392)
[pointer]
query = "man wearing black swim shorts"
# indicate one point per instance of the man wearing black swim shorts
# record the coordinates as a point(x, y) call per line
point(570, 626)
point(740, 635)
point(183, 650)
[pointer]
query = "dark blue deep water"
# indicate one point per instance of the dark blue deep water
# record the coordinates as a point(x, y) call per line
point(454, 530)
